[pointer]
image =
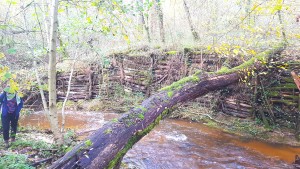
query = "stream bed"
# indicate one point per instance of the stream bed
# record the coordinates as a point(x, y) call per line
point(179, 144)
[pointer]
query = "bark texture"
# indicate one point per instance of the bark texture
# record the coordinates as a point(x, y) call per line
point(52, 74)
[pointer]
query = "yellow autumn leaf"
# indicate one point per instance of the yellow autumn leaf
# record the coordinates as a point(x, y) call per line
point(5, 68)
point(126, 38)
point(94, 4)
point(21, 94)
point(89, 20)
point(209, 47)
point(12, 2)
point(60, 10)
point(278, 33)
point(237, 47)
point(236, 51)
point(2, 55)
point(13, 84)
point(252, 52)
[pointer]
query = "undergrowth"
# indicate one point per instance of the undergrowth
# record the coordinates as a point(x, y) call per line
point(14, 161)
point(29, 148)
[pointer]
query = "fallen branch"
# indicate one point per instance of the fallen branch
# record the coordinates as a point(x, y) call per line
point(42, 161)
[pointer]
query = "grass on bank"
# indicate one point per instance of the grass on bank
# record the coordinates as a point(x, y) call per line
point(22, 153)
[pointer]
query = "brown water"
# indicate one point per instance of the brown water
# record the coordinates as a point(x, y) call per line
point(79, 121)
point(177, 144)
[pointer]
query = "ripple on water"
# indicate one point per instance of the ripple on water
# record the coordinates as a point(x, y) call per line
point(176, 136)
point(182, 145)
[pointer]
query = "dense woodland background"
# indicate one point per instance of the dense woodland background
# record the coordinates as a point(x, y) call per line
point(94, 28)
point(102, 35)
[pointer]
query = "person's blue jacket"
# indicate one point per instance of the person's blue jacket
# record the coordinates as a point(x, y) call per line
point(4, 107)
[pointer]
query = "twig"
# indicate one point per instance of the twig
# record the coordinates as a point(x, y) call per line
point(42, 161)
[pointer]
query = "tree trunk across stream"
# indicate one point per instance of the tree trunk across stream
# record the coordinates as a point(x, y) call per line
point(106, 147)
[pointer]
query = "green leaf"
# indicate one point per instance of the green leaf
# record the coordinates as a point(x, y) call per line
point(88, 143)
point(89, 20)
point(12, 2)
point(105, 61)
point(277, 7)
point(105, 29)
point(7, 75)
point(94, 4)
point(11, 51)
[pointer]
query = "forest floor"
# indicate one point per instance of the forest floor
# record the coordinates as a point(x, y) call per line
point(33, 149)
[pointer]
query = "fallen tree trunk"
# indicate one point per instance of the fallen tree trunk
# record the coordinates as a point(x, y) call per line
point(106, 147)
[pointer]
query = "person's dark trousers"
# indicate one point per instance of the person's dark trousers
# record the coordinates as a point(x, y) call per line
point(9, 121)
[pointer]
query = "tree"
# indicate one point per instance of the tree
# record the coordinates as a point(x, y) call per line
point(63, 120)
point(187, 11)
point(52, 74)
point(161, 20)
point(142, 18)
point(44, 101)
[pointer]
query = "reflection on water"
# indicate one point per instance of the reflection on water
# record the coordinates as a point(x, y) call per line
point(177, 144)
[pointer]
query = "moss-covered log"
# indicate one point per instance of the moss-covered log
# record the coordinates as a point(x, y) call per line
point(106, 147)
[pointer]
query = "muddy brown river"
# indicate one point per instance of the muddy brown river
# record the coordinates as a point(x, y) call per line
point(178, 144)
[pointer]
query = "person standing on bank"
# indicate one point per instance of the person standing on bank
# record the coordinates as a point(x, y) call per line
point(10, 107)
